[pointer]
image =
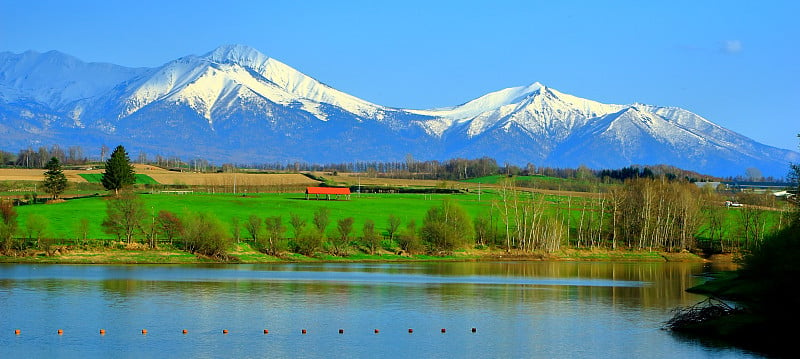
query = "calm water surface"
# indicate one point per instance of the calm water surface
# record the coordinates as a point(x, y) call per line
point(519, 310)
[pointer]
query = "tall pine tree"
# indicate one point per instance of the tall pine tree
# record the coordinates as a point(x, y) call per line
point(119, 171)
point(55, 182)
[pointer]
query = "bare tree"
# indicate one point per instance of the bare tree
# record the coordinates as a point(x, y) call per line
point(236, 229)
point(341, 241)
point(298, 223)
point(253, 226)
point(393, 225)
point(321, 218)
point(124, 215)
point(36, 226)
point(371, 239)
point(82, 230)
point(103, 152)
point(169, 225)
point(275, 230)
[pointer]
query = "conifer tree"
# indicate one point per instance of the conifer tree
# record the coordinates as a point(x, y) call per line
point(119, 171)
point(55, 182)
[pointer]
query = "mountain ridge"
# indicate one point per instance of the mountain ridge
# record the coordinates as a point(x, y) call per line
point(236, 104)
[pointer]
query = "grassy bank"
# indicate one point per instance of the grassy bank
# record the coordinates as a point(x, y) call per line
point(244, 253)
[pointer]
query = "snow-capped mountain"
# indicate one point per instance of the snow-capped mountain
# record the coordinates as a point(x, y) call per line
point(237, 104)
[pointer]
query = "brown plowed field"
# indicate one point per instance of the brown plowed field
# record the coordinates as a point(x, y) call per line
point(15, 174)
point(167, 177)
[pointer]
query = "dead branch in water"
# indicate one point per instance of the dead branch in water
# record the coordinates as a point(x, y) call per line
point(700, 313)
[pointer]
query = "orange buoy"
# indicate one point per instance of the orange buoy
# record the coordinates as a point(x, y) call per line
point(185, 331)
point(341, 331)
point(144, 331)
point(303, 331)
point(224, 331)
point(60, 332)
point(410, 330)
point(102, 332)
point(444, 330)
point(16, 331)
point(266, 331)
point(377, 331)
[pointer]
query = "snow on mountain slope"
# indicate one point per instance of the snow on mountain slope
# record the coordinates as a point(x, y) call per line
point(293, 81)
point(162, 82)
point(634, 123)
point(200, 82)
point(56, 79)
point(490, 101)
point(536, 108)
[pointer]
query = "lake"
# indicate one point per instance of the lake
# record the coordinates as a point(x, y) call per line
point(518, 310)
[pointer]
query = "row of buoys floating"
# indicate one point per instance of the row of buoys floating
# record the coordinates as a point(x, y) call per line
point(225, 331)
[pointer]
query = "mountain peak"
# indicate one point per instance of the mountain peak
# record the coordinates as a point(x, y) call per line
point(534, 87)
point(241, 54)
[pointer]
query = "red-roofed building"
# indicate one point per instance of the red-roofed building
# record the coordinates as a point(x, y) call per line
point(327, 192)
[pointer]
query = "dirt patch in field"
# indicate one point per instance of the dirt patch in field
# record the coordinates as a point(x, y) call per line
point(229, 179)
point(167, 177)
point(353, 179)
point(18, 174)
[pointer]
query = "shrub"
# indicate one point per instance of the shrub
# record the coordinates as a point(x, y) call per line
point(309, 242)
point(409, 239)
point(8, 226)
point(446, 227)
point(204, 234)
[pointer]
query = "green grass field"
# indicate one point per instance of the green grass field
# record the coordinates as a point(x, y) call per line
point(63, 217)
point(95, 178)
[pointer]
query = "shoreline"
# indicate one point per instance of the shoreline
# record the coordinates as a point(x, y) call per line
point(244, 255)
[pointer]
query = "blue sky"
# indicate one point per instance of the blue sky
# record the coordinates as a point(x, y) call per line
point(736, 63)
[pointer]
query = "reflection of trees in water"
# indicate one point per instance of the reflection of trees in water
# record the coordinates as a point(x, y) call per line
point(404, 285)
point(522, 286)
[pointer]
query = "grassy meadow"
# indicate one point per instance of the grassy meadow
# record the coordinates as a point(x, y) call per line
point(63, 217)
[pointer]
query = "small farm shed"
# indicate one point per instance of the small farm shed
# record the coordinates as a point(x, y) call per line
point(327, 192)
